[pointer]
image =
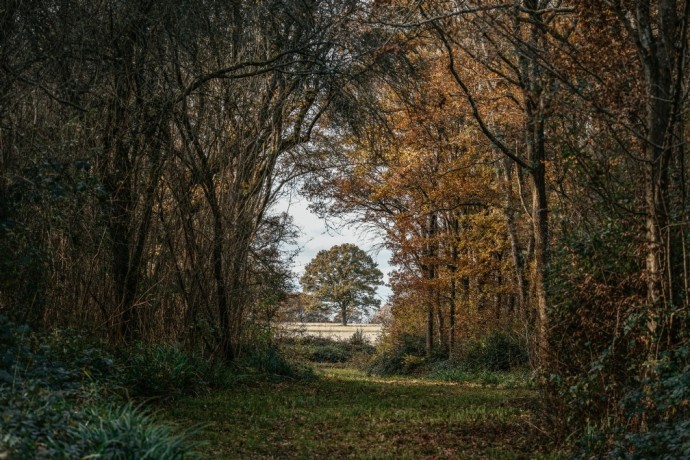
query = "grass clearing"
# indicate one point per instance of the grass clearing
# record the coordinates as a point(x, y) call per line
point(346, 414)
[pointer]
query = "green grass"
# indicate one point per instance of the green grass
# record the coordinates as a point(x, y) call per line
point(346, 414)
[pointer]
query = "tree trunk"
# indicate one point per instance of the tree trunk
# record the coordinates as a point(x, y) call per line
point(541, 259)
point(515, 248)
point(536, 88)
point(455, 228)
point(226, 348)
point(451, 316)
point(440, 320)
point(660, 34)
point(431, 276)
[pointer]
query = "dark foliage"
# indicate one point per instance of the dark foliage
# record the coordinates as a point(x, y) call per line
point(497, 351)
point(61, 398)
point(400, 358)
point(324, 350)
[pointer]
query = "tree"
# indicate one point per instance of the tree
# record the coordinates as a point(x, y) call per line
point(344, 280)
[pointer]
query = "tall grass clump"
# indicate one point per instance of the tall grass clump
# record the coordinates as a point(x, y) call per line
point(123, 432)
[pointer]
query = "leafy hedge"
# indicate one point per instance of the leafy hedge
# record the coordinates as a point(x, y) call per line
point(662, 401)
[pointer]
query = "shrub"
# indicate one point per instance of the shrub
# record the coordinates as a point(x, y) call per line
point(330, 354)
point(412, 362)
point(657, 412)
point(357, 339)
point(497, 351)
point(271, 362)
point(87, 358)
point(61, 362)
point(324, 350)
point(32, 413)
point(619, 387)
point(398, 357)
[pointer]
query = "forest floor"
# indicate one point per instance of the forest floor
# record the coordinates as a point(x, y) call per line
point(346, 414)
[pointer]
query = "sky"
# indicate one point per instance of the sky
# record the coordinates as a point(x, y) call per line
point(315, 236)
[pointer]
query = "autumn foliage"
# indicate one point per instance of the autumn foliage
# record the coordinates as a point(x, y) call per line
point(532, 180)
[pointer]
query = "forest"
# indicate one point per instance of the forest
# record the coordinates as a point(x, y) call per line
point(522, 160)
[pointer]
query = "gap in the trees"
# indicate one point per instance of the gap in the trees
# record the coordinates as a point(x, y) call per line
point(317, 234)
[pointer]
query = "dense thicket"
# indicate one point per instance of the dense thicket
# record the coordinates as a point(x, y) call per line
point(142, 146)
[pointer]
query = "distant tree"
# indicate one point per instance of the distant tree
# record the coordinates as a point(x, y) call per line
point(344, 280)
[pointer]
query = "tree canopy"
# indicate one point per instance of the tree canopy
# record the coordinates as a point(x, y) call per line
point(343, 279)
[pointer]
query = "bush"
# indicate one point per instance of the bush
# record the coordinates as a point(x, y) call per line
point(324, 350)
point(656, 412)
point(33, 413)
point(651, 418)
point(497, 352)
point(272, 363)
point(357, 338)
point(63, 361)
point(402, 356)
point(619, 387)
point(330, 354)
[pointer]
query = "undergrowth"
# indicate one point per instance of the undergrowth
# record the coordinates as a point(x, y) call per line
point(356, 351)
point(516, 378)
point(495, 359)
point(272, 364)
point(62, 398)
point(65, 396)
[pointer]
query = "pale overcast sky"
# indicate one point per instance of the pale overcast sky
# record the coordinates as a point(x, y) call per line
point(315, 237)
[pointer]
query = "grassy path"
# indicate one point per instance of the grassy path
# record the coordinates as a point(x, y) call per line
point(345, 414)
